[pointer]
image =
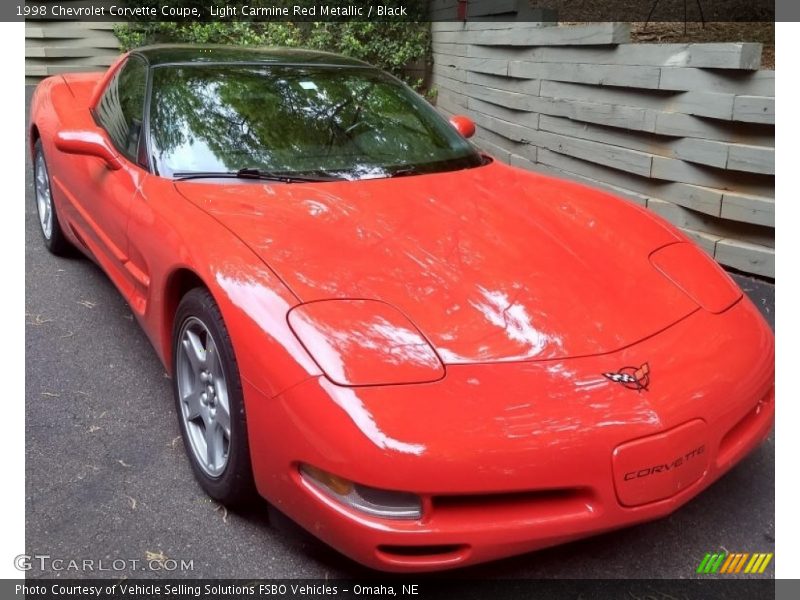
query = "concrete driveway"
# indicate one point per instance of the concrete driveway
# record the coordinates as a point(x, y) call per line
point(107, 478)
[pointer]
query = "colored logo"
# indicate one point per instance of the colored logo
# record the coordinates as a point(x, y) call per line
point(734, 562)
point(631, 377)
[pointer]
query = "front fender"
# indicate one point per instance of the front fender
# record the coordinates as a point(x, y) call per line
point(163, 231)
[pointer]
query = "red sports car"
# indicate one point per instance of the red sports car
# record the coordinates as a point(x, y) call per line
point(424, 356)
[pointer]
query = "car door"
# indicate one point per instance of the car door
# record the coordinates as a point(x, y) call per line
point(102, 197)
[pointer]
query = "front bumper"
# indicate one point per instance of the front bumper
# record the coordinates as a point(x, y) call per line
point(514, 457)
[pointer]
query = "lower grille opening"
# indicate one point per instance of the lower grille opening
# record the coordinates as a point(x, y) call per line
point(421, 551)
point(537, 504)
point(423, 556)
point(507, 498)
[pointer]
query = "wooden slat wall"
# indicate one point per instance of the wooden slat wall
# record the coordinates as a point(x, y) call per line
point(53, 47)
point(687, 130)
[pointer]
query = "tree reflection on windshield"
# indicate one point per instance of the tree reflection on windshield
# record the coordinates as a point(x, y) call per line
point(353, 122)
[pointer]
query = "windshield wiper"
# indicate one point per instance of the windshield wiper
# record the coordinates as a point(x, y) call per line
point(406, 172)
point(254, 173)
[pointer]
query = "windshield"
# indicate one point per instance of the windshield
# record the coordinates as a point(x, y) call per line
point(347, 122)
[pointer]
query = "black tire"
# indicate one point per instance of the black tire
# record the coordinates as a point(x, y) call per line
point(56, 242)
point(234, 486)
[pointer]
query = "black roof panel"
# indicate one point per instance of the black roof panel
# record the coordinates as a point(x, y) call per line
point(206, 53)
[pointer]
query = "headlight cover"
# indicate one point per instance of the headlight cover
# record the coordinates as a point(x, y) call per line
point(364, 342)
point(698, 275)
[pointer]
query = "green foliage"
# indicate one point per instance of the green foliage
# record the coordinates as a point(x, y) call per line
point(389, 46)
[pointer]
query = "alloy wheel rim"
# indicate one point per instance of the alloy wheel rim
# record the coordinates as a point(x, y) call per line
point(44, 201)
point(203, 395)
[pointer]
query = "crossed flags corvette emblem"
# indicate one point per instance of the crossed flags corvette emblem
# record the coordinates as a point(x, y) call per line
point(631, 377)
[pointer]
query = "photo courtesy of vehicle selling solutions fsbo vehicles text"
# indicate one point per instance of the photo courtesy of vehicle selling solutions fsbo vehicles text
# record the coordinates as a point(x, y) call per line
point(403, 298)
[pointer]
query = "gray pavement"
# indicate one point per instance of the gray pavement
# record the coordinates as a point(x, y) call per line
point(107, 478)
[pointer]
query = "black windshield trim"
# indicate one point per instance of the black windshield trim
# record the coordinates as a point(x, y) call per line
point(255, 174)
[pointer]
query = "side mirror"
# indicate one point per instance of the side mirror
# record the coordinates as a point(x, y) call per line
point(88, 143)
point(464, 125)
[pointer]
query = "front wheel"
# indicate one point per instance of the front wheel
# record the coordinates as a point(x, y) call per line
point(209, 400)
point(54, 238)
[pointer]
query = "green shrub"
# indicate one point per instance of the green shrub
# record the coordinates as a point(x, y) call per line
point(389, 46)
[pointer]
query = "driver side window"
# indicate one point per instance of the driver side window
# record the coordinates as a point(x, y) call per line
point(121, 109)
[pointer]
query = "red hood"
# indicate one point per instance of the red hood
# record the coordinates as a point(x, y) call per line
point(491, 263)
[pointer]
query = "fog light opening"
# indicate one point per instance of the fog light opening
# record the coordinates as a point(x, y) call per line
point(385, 504)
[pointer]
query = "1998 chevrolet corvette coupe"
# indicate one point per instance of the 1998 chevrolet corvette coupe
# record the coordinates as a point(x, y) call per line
point(424, 356)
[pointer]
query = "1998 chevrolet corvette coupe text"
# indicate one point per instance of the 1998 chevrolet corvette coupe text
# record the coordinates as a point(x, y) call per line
point(424, 356)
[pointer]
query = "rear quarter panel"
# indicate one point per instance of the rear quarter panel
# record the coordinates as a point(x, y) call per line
point(60, 102)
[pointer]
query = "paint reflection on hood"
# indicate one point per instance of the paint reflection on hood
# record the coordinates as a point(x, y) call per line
point(491, 264)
